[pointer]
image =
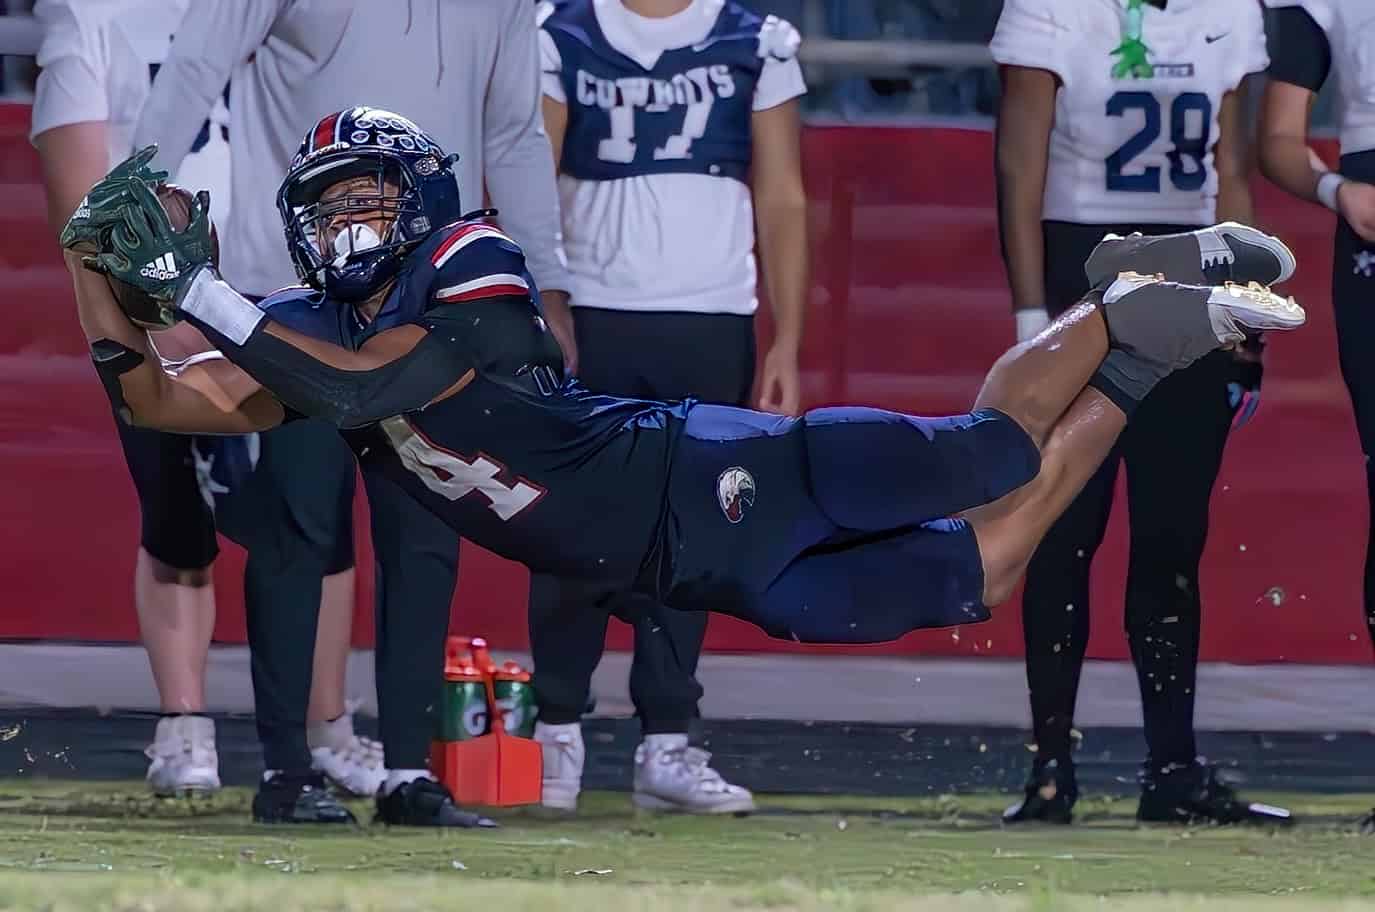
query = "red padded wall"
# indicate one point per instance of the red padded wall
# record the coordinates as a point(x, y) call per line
point(908, 309)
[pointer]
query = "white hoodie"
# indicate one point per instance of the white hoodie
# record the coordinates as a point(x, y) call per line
point(466, 71)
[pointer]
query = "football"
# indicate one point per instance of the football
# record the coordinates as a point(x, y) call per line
point(176, 202)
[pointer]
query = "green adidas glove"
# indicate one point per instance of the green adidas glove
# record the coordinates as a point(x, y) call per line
point(143, 250)
point(99, 210)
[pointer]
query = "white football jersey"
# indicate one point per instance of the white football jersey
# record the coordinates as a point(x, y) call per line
point(664, 242)
point(1350, 28)
point(95, 58)
point(1134, 146)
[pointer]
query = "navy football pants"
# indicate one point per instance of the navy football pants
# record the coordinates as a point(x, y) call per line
point(836, 527)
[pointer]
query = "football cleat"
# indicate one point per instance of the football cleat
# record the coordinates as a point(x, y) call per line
point(425, 803)
point(1195, 793)
point(1236, 309)
point(671, 776)
point(1173, 325)
point(563, 751)
point(1228, 252)
point(1049, 796)
point(298, 798)
point(182, 757)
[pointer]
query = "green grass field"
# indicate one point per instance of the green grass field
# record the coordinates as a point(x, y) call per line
point(75, 846)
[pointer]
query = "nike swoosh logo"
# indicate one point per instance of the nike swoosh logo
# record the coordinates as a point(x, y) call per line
point(1211, 38)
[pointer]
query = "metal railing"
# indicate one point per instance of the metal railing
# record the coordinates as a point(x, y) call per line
point(20, 35)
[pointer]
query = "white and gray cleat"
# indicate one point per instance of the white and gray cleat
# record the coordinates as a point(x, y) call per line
point(1238, 310)
point(1226, 252)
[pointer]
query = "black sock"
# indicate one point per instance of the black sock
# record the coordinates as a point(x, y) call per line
point(1119, 397)
point(1126, 378)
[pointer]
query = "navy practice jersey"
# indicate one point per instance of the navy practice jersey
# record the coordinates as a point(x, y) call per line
point(687, 113)
point(533, 468)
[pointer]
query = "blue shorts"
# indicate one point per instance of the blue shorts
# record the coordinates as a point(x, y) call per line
point(837, 527)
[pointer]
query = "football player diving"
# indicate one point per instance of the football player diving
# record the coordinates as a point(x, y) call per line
point(418, 332)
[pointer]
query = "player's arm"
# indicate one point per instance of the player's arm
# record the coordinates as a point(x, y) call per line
point(139, 390)
point(519, 166)
point(780, 210)
point(1300, 60)
point(1233, 156)
point(1026, 114)
point(1232, 159)
point(553, 98)
point(1029, 44)
point(213, 38)
point(396, 371)
point(73, 157)
point(70, 109)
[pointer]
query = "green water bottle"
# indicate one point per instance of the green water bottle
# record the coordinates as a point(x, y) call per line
point(463, 708)
point(515, 696)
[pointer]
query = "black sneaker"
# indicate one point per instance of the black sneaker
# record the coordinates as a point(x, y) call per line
point(1050, 795)
point(1368, 824)
point(298, 798)
point(1196, 794)
point(425, 803)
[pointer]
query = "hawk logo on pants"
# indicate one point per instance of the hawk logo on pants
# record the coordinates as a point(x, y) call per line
point(735, 492)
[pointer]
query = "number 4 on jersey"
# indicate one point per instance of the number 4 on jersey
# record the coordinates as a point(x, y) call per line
point(453, 476)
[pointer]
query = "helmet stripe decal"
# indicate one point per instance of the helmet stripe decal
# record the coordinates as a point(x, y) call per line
point(324, 132)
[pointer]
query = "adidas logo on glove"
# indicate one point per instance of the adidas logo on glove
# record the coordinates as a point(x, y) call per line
point(163, 268)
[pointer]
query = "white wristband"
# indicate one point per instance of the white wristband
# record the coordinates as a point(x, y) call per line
point(1030, 323)
point(1328, 185)
point(220, 307)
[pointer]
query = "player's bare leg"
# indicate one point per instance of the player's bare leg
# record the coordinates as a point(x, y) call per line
point(1037, 380)
point(1009, 530)
point(333, 638)
point(1154, 327)
point(176, 619)
point(350, 761)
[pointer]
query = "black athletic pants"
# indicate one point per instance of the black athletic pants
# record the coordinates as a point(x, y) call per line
point(293, 515)
point(653, 356)
point(1173, 450)
point(1353, 300)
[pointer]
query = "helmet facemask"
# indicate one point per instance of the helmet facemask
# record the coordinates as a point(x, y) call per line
point(352, 222)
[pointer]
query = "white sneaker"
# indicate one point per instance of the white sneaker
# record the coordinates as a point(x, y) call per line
point(183, 757)
point(563, 752)
point(352, 762)
point(671, 776)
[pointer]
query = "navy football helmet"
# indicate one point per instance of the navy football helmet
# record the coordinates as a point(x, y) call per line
point(365, 187)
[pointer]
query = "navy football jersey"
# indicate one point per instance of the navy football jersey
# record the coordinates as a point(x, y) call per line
point(533, 468)
point(688, 113)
